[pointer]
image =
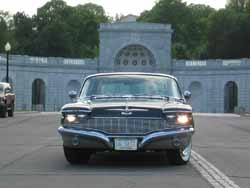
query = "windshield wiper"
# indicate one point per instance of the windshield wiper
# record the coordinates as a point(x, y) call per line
point(93, 97)
point(152, 97)
point(177, 99)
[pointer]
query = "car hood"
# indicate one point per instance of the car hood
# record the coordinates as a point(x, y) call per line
point(164, 105)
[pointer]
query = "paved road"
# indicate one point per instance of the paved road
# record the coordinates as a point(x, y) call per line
point(31, 156)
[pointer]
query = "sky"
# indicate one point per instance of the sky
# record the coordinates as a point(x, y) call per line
point(112, 7)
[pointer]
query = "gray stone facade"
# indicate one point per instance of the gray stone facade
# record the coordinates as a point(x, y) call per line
point(43, 83)
point(153, 39)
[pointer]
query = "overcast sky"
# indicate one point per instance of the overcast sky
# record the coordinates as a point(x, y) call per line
point(112, 7)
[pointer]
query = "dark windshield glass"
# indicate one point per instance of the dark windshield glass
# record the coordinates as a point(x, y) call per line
point(130, 85)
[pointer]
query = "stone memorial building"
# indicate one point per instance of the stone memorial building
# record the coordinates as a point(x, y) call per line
point(43, 83)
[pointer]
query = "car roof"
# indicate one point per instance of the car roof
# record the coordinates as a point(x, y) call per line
point(131, 73)
point(5, 84)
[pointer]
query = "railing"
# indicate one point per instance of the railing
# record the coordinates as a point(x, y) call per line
point(211, 64)
point(135, 26)
point(214, 64)
point(48, 61)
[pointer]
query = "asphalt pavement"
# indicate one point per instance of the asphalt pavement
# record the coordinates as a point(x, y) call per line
point(31, 156)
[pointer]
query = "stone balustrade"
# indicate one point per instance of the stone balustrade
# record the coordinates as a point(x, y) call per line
point(19, 60)
point(211, 64)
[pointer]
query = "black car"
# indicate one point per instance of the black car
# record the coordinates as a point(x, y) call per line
point(128, 112)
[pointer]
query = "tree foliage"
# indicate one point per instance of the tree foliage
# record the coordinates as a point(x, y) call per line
point(23, 33)
point(202, 32)
point(56, 30)
point(60, 30)
point(238, 5)
point(188, 23)
point(228, 35)
point(5, 24)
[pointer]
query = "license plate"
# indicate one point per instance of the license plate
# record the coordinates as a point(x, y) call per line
point(125, 144)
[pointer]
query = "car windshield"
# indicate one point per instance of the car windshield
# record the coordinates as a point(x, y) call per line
point(130, 86)
point(1, 89)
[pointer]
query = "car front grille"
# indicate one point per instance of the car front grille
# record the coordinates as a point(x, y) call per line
point(125, 125)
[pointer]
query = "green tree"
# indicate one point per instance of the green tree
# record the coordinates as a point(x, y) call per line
point(53, 34)
point(228, 34)
point(172, 12)
point(87, 19)
point(23, 33)
point(238, 5)
point(3, 34)
point(197, 30)
point(68, 31)
point(189, 24)
point(5, 29)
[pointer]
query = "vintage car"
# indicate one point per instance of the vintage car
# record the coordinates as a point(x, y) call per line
point(128, 112)
point(7, 100)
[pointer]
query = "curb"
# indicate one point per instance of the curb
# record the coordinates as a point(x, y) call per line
point(216, 115)
point(28, 112)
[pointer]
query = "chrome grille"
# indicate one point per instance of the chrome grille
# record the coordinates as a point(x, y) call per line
point(125, 125)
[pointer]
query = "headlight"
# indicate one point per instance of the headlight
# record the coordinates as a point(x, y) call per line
point(71, 118)
point(182, 119)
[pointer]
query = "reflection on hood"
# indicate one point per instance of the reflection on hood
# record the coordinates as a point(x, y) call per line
point(156, 104)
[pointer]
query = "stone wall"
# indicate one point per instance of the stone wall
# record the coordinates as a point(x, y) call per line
point(58, 74)
point(206, 79)
point(114, 37)
point(130, 46)
point(211, 77)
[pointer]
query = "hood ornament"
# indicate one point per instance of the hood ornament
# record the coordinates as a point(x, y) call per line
point(126, 112)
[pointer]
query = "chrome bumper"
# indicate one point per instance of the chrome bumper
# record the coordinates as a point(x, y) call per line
point(168, 139)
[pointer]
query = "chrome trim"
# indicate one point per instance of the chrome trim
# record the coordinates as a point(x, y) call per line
point(130, 109)
point(125, 136)
point(127, 113)
point(143, 140)
point(153, 118)
point(177, 111)
point(171, 116)
point(131, 73)
point(151, 137)
point(92, 134)
point(76, 111)
point(125, 125)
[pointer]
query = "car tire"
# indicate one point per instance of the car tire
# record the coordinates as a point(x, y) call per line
point(179, 156)
point(3, 113)
point(76, 156)
point(11, 111)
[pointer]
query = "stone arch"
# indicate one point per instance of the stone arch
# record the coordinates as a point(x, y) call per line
point(72, 85)
point(38, 95)
point(135, 57)
point(230, 97)
point(197, 96)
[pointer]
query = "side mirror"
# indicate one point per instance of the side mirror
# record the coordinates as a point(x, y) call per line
point(73, 95)
point(187, 95)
